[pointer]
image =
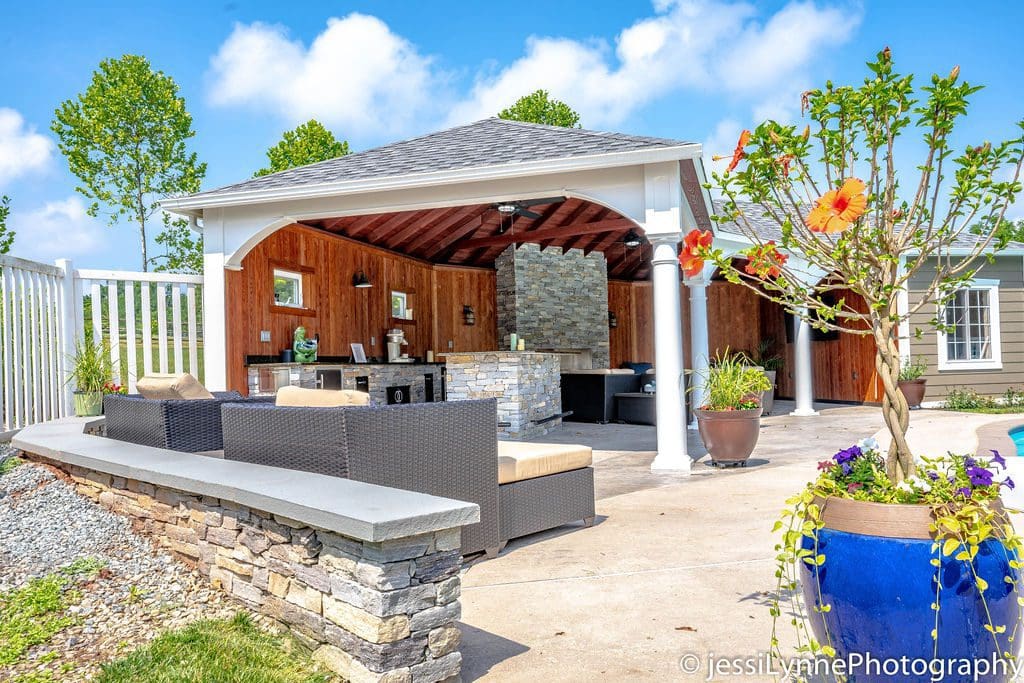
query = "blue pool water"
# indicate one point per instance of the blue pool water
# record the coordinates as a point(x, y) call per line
point(1017, 434)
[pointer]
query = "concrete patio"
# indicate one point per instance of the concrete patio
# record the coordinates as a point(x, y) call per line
point(674, 565)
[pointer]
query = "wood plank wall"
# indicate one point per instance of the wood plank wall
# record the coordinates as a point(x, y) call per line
point(343, 314)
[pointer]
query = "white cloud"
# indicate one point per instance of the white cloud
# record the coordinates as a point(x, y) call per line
point(713, 47)
point(357, 74)
point(58, 229)
point(22, 149)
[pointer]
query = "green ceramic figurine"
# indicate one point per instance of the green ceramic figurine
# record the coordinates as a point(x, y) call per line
point(305, 349)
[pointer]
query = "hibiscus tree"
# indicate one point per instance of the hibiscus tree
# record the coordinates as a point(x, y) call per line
point(833, 191)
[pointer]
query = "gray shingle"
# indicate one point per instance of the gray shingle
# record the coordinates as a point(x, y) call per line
point(487, 143)
point(767, 229)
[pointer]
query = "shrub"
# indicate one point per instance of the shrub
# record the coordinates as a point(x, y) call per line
point(913, 370)
point(964, 398)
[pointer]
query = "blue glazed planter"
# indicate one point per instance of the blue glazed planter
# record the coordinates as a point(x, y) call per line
point(881, 590)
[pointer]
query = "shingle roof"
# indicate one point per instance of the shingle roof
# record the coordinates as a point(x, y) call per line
point(767, 229)
point(486, 143)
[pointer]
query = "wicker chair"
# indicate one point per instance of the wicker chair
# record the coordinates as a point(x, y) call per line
point(180, 425)
point(443, 449)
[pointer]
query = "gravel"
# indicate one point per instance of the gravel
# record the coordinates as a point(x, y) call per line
point(140, 592)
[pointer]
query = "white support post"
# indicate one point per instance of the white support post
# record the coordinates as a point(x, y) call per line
point(699, 350)
point(70, 325)
point(802, 367)
point(668, 357)
point(215, 348)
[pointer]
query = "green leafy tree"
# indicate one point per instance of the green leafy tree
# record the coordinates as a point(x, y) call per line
point(6, 235)
point(125, 139)
point(307, 144)
point(183, 249)
point(834, 194)
point(1008, 231)
point(540, 107)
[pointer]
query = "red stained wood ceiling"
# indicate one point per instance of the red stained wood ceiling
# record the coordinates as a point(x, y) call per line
point(475, 235)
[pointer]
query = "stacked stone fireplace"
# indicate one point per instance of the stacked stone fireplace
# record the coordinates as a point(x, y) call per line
point(557, 302)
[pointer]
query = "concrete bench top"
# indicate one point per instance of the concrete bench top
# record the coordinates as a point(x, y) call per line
point(351, 508)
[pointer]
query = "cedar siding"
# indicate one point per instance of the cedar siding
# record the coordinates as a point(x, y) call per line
point(1009, 270)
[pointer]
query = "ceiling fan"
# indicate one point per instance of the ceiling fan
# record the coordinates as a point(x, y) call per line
point(522, 207)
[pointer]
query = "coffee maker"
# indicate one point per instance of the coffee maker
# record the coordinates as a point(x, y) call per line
point(396, 340)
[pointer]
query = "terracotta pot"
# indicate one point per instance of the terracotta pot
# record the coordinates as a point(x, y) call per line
point(913, 389)
point(878, 579)
point(729, 435)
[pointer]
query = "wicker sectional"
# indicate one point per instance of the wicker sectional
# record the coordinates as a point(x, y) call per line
point(446, 449)
point(191, 425)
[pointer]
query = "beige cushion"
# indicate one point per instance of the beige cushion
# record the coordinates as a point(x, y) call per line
point(320, 398)
point(163, 387)
point(518, 460)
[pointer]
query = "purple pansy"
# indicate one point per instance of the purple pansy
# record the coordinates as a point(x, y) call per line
point(998, 459)
point(979, 476)
point(847, 468)
point(933, 475)
point(847, 454)
point(1008, 483)
point(970, 462)
point(965, 492)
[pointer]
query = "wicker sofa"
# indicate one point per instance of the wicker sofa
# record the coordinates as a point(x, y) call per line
point(445, 449)
point(190, 425)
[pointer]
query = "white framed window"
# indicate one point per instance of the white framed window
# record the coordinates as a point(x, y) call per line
point(287, 288)
point(973, 342)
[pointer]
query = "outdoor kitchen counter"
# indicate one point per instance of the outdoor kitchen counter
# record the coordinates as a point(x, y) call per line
point(385, 382)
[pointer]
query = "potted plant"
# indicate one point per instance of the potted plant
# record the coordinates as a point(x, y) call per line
point(90, 372)
point(911, 382)
point(729, 421)
point(897, 561)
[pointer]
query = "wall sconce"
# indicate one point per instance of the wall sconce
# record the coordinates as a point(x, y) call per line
point(613, 320)
point(360, 280)
point(468, 316)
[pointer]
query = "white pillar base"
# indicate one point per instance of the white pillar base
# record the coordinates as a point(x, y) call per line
point(804, 412)
point(677, 462)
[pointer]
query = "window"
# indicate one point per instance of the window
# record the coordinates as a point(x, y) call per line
point(973, 341)
point(287, 288)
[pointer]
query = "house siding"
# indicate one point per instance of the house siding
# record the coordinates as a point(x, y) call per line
point(1009, 271)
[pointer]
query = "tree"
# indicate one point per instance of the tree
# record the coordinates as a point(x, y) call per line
point(307, 144)
point(183, 249)
point(872, 236)
point(124, 138)
point(539, 107)
point(6, 236)
point(1008, 231)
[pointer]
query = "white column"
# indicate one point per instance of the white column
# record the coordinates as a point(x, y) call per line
point(699, 351)
point(215, 343)
point(803, 376)
point(668, 357)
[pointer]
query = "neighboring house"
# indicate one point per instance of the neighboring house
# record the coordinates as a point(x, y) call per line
point(985, 350)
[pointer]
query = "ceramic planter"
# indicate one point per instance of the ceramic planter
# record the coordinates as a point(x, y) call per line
point(879, 581)
point(88, 403)
point(913, 390)
point(729, 435)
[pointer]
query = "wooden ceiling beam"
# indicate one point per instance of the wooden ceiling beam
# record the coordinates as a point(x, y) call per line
point(412, 231)
point(439, 230)
point(547, 234)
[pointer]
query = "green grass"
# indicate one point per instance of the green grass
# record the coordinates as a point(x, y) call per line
point(32, 614)
point(990, 410)
point(8, 464)
point(214, 651)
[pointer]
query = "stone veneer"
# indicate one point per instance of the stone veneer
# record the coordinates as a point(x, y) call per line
point(554, 300)
point(382, 611)
point(528, 387)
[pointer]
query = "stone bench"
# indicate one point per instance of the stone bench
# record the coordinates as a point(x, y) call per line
point(367, 576)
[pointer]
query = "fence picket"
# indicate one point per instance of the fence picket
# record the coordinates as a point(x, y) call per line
point(96, 302)
point(147, 331)
point(129, 333)
point(114, 327)
point(193, 346)
point(6, 335)
point(179, 366)
point(161, 324)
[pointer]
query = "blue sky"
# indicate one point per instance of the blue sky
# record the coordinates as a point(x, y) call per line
point(374, 72)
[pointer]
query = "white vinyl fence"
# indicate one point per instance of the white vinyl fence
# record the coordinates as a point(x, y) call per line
point(152, 322)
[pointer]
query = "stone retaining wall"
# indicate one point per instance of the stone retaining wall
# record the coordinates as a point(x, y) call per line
point(370, 611)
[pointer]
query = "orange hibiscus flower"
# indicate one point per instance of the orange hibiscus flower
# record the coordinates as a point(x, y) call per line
point(765, 261)
point(737, 154)
point(838, 209)
point(695, 245)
